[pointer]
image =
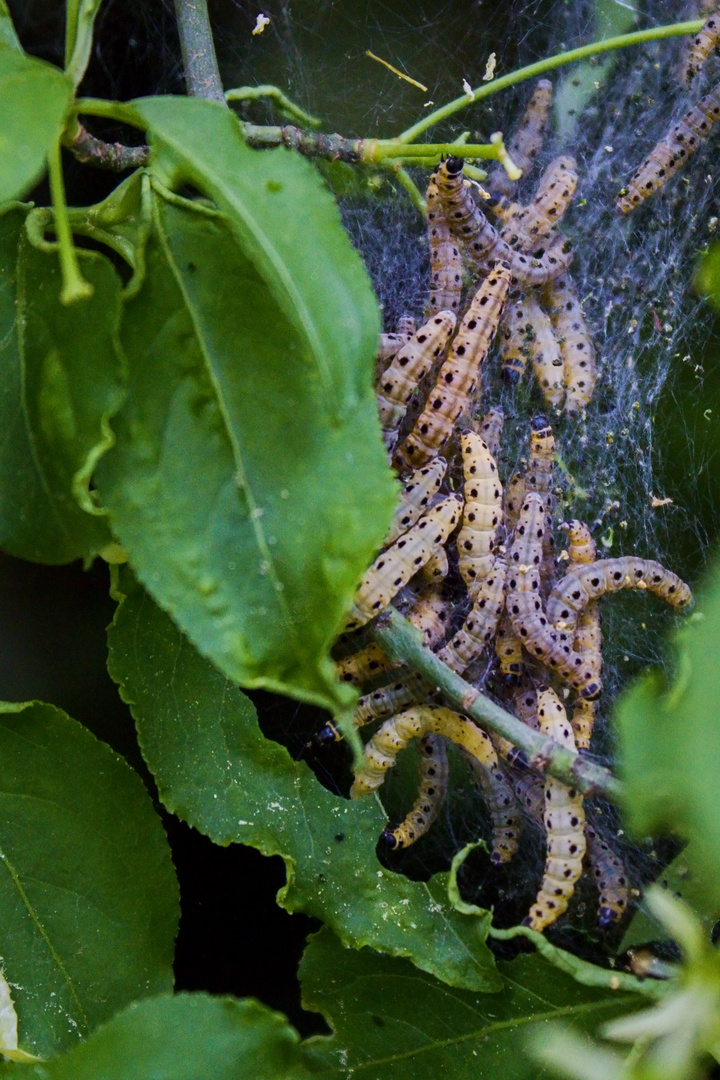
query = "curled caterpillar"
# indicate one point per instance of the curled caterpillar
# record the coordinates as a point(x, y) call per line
point(387, 700)
point(700, 48)
point(479, 627)
point(515, 328)
point(526, 141)
point(545, 353)
point(508, 650)
point(458, 375)
point(433, 771)
point(482, 512)
point(586, 583)
point(417, 492)
point(490, 428)
point(482, 241)
point(672, 152)
point(525, 608)
point(576, 347)
point(564, 820)
point(610, 875)
point(410, 364)
point(445, 261)
point(395, 566)
point(552, 198)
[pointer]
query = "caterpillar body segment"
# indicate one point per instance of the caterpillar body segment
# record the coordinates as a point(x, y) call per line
point(700, 48)
point(539, 477)
point(584, 584)
point(395, 566)
point(515, 328)
point(481, 240)
point(482, 512)
point(407, 326)
point(389, 344)
point(389, 699)
point(576, 346)
point(527, 140)
point(409, 365)
point(530, 794)
point(416, 495)
point(445, 260)
point(672, 152)
point(582, 550)
point(583, 721)
point(514, 497)
point(564, 820)
point(478, 630)
point(432, 790)
point(458, 375)
point(508, 649)
point(552, 198)
point(366, 664)
point(489, 428)
point(437, 567)
point(545, 354)
point(610, 876)
point(502, 806)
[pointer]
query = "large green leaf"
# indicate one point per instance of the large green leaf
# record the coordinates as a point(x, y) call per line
point(8, 37)
point(88, 897)
point(670, 747)
point(215, 769)
point(186, 1037)
point(248, 482)
point(62, 379)
point(391, 1020)
point(35, 100)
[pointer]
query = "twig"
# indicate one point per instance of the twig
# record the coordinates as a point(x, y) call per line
point(543, 66)
point(402, 642)
point(202, 75)
point(91, 151)
point(274, 93)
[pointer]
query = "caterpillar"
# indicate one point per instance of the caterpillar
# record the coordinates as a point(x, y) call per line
point(539, 477)
point(671, 152)
point(407, 327)
point(582, 550)
point(508, 650)
point(611, 879)
point(410, 364)
point(388, 345)
point(437, 567)
point(514, 345)
point(700, 48)
point(482, 513)
point(445, 261)
point(576, 347)
point(514, 496)
point(582, 720)
point(388, 700)
point(433, 770)
point(417, 491)
point(394, 567)
point(586, 583)
point(458, 374)
point(552, 198)
point(429, 614)
point(564, 820)
point(524, 706)
point(479, 627)
point(530, 793)
point(545, 353)
point(524, 604)
point(490, 429)
point(482, 241)
point(500, 799)
point(395, 734)
point(526, 141)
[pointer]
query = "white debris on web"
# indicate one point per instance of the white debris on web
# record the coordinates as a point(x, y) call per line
point(260, 23)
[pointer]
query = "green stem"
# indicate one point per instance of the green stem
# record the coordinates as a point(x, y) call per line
point(74, 285)
point(79, 25)
point(282, 102)
point(402, 642)
point(412, 189)
point(390, 148)
point(658, 33)
point(202, 75)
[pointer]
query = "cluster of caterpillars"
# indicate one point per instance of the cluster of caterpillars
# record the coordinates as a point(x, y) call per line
point(528, 613)
point(684, 137)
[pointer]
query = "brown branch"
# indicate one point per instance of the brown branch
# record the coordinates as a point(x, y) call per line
point(103, 155)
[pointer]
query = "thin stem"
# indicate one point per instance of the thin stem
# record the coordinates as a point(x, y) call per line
point(91, 151)
point(390, 148)
point(202, 75)
point(75, 287)
point(402, 642)
point(406, 181)
point(658, 33)
point(282, 102)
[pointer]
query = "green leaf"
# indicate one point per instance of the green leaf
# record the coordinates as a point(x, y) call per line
point(707, 276)
point(390, 1020)
point(184, 1038)
point(249, 491)
point(36, 98)
point(670, 747)
point(63, 378)
point(88, 897)
point(8, 37)
point(79, 23)
point(216, 770)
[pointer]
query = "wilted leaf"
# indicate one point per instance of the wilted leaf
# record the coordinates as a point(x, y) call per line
point(88, 897)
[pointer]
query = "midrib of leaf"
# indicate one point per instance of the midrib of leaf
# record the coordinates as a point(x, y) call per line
point(492, 1029)
point(258, 530)
point(35, 919)
point(265, 244)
